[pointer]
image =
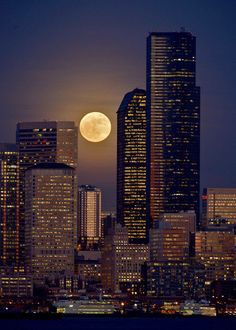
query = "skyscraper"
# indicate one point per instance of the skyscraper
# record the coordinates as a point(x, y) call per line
point(173, 123)
point(131, 165)
point(43, 142)
point(50, 220)
point(47, 142)
point(9, 205)
point(89, 216)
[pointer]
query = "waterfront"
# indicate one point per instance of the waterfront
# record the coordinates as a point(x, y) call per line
point(117, 323)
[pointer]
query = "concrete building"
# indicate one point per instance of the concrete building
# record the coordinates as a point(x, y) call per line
point(122, 261)
point(88, 269)
point(173, 239)
point(175, 280)
point(43, 142)
point(47, 142)
point(51, 220)
point(218, 206)
point(214, 248)
point(15, 283)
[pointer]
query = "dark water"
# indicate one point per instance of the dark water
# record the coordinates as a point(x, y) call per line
point(134, 323)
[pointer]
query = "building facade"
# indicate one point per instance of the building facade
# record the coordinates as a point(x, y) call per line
point(122, 261)
point(51, 220)
point(47, 142)
point(9, 205)
point(89, 216)
point(173, 239)
point(132, 166)
point(15, 283)
point(218, 206)
point(43, 142)
point(175, 280)
point(215, 249)
point(173, 123)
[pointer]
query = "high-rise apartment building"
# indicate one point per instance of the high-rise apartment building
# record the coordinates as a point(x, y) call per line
point(9, 205)
point(43, 142)
point(218, 206)
point(173, 123)
point(50, 220)
point(132, 165)
point(89, 216)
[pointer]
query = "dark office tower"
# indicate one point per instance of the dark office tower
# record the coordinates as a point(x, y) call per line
point(131, 166)
point(173, 123)
point(9, 205)
point(43, 142)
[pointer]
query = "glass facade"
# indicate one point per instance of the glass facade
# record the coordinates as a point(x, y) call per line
point(131, 165)
point(173, 123)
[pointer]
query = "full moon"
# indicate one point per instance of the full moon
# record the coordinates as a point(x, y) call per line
point(95, 127)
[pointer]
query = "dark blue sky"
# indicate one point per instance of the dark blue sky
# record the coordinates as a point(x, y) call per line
point(60, 59)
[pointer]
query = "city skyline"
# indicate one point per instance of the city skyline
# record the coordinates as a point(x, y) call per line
point(43, 74)
point(63, 248)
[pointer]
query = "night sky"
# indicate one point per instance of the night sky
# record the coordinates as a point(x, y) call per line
point(60, 59)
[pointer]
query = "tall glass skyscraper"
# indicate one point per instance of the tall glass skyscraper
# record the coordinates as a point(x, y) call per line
point(131, 165)
point(173, 123)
